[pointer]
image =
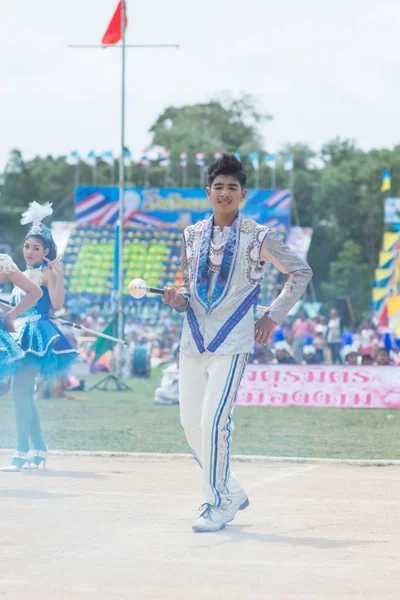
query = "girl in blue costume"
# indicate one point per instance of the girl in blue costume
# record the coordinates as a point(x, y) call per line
point(10, 351)
point(47, 350)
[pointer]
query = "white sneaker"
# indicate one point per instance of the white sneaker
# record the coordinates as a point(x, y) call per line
point(237, 501)
point(211, 519)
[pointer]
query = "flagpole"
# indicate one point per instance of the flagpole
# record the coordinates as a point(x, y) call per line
point(121, 194)
point(77, 173)
point(257, 177)
point(184, 177)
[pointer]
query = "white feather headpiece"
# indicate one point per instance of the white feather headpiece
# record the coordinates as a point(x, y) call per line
point(36, 213)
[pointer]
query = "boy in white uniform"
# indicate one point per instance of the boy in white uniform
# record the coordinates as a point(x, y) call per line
point(222, 269)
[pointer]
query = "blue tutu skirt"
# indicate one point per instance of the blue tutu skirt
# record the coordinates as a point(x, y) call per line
point(43, 341)
point(10, 353)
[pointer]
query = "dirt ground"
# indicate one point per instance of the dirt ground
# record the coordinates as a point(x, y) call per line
point(120, 527)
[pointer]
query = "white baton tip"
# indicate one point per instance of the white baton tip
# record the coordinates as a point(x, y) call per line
point(137, 288)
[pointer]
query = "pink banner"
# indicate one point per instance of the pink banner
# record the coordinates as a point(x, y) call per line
point(320, 386)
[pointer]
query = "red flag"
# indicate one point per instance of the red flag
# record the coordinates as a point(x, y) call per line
point(113, 33)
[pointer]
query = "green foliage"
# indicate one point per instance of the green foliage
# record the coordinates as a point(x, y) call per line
point(226, 126)
point(337, 191)
point(349, 276)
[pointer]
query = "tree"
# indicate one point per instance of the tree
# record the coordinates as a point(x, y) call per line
point(228, 126)
point(349, 276)
point(17, 187)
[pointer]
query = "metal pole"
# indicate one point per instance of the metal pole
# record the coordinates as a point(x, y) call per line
point(184, 177)
point(202, 176)
point(77, 169)
point(121, 195)
point(294, 205)
point(112, 173)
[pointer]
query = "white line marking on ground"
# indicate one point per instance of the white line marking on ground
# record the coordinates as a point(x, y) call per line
point(286, 475)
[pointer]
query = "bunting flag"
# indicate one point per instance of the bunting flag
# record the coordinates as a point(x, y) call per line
point(114, 31)
point(288, 163)
point(270, 161)
point(107, 157)
point(91, 158)
point(183, 159)
point(217, 155)
point(164, 159)
point(144, 159)
point(127, 158)
point(386, 181)
point(254, 158)
point(72, 158)
point(200, 160)
point(237, 155)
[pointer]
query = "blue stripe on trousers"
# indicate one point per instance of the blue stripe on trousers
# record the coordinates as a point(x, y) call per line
point(229, 428)
point(221, 406)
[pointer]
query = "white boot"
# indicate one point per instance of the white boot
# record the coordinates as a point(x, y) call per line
point(211, 519)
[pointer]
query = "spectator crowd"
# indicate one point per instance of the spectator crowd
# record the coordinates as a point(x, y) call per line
point(299, 340)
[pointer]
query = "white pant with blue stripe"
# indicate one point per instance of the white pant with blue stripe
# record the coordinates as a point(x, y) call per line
point(208, 384)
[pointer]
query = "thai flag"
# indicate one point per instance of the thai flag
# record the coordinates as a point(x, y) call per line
point(72, 158)
point(136, 216)
point(288, 163)
point(237, 155)
point(127, 158)
point(183, 159)
point(90, 207)
point(91, 158)
point(200, 160)
point(272, 223)
point(107, 157)
point(144, 159)
point(217, 155)
point(254, 158)
point(108, 216)
point(279, 200)
point(164, 159)
point(270, 161)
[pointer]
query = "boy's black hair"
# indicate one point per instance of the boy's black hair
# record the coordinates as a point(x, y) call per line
point(385, 350)
point(367, 357)
point(47, 245)
point(228, 164)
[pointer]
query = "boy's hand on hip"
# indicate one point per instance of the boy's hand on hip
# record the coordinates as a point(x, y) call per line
point(172, 297)
point(263, 329)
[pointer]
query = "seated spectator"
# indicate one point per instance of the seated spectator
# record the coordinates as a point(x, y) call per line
point(283, 353)
point(309, 354)
point(351, 356)
point(168, 392)
point(367, 360)
point(383, 357)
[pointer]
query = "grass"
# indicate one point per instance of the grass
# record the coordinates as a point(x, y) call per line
point(130, 422)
